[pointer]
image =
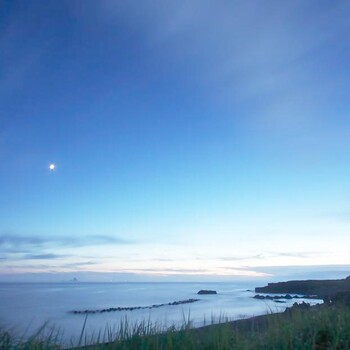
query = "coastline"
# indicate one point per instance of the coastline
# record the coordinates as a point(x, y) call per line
point(242, 329)
point(269, 331)
point(293, 321)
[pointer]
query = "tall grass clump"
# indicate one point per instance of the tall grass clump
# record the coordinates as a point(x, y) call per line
point(45, 338)
point(322, 328)
point(318, 328)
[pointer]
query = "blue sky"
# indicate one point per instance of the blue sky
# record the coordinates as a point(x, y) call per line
point(191, 138)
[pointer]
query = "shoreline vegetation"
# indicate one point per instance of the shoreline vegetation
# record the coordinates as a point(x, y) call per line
point(322, 326)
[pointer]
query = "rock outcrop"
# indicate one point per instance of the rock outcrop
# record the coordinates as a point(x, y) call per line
point(285, 297)
point(204, 291)
point(319, 288)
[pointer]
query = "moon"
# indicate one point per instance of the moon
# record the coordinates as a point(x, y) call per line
point(52, 166)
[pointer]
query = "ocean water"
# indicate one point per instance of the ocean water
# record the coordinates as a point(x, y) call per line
point(25, 307)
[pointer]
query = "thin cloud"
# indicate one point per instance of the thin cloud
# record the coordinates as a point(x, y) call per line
point(102, 239)
point(79, 264)
point(48, 256)
point(305, 270)
point(240, 258)
point(222, 271)
point(12, 242)
point(295, 254)
point(274, 68)
point(59, 267)
point(14, 239)
point(27, 267)
point(170, 270)
point(267, 255)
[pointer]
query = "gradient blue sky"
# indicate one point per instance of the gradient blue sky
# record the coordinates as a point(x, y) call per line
point(191, 138)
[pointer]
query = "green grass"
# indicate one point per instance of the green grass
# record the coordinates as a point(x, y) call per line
point(317, 328)
point(44, 338)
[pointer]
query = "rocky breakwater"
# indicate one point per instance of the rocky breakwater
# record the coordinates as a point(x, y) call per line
point(132, 308)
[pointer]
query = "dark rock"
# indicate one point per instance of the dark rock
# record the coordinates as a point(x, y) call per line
point(204, 291)
point(277, 297)
point(298, 306)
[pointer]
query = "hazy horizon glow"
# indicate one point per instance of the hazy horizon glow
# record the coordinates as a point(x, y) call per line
point(193, 138)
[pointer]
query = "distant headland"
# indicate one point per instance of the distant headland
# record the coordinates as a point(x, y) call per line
point(328, 290)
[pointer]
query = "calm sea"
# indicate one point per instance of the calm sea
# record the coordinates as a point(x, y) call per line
point(25, 307)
